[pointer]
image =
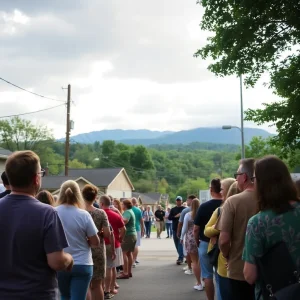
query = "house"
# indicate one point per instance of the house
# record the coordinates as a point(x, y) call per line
point(111, 181)
point(151, 199)
point(3, 157)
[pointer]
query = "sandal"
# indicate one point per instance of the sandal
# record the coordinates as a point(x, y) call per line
point(117, 286)
point(123, 276)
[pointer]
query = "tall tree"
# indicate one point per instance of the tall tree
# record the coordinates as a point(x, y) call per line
point(251, 39)
point(21, 134)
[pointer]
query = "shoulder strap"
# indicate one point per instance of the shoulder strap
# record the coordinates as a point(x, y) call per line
point(219, 211)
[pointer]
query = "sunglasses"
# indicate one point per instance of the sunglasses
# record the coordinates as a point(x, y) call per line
point(237, 174)
point(43, 172)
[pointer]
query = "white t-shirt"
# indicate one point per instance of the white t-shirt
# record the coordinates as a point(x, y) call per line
point(78, 225)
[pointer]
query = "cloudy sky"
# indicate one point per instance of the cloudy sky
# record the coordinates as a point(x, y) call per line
point(130, 64)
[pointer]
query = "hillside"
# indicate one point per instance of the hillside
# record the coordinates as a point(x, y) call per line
point(147, 137)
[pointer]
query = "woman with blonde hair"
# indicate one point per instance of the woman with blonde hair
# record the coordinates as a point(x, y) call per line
point(90, 193)
point(190, 243)
point(228, 189)
point(81, 234)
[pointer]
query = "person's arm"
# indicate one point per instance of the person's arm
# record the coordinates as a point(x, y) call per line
point(210, 230)
point(186, 220)
point(126, 217)
point(92, 232)
point(253, 248)
point(171, 216)
point(112, 244)
point(180, 222)
point(122, 233)
point(142, 227)
point(54, 242)
point(196, 230)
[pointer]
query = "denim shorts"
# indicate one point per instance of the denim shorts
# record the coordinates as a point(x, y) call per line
point(207, 270)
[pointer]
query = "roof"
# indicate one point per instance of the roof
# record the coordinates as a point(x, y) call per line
point(148, 198)
point(101, 177)
point(54, 182)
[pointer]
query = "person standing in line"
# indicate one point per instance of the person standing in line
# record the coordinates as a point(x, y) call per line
point(100, 219)
point(204, 214)
point(116, 221)
point(223, 289)
point(168, 224)
point(277, 220)
point(236, 212)
point(148, 218)
point(139, 226)
point(174, 217)
point(128, 244)
point(159, 217)
point(6, 185)
point(32, 235)
point(190, 244)
point(82, 234)
point(45, 197)
point(188, 268)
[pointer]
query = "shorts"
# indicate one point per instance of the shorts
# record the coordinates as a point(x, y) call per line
point(128, 243)
point(207, 270)
point(138, 239)
point(119, 261)
point(109, 262)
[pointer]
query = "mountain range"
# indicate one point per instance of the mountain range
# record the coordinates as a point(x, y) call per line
point(148, 137)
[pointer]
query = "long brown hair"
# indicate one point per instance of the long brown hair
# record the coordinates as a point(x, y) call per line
point(274, 185)
point(233, 190)
point(194, 207)
point(117, 202)
point(45, 197)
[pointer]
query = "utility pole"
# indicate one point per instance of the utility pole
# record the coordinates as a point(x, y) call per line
point(242, 117)
point(67, 145)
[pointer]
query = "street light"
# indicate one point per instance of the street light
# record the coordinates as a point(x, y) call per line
point(228, 127)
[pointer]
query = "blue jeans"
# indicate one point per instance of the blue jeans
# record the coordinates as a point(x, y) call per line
point(218, 291)
point(148, 228)
point(74, 285)
point(169, 229)
point(178, 245)
point(225, 288)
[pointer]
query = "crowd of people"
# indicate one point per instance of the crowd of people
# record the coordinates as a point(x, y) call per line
point(77, 245)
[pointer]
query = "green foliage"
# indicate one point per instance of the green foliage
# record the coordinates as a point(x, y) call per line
point(144, 186)
point(251, 39)
point(192, 186)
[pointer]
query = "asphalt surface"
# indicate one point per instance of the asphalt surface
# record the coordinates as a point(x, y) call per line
point(157, 276)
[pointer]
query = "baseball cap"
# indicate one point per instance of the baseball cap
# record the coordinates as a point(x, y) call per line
point(179, 198)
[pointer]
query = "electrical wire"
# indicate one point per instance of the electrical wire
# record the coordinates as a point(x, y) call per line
point(8, 82)
point(32, 112)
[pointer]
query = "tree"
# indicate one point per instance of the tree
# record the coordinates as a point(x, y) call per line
point(192, 186)
point(76, 164)
point(19, 134)
point(141, 159)
point(144, 186)
point(163, 186)
point(251, 40)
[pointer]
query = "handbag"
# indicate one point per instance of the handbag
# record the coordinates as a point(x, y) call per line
point(278, 275)
point(213, 254)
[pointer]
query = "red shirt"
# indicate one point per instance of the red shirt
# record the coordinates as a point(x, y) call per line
point(116, 222)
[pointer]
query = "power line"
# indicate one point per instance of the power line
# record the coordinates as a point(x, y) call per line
point(32, 112)
point(30, 91)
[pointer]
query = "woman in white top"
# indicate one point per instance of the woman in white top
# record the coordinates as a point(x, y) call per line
point(148, 218)
point(81, 234)
point(168, 223)
point(190, 243)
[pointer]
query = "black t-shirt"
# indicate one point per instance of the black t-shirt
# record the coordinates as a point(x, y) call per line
point(204, 214)
point(174, 211)
point(159, 214)
point(29, 230)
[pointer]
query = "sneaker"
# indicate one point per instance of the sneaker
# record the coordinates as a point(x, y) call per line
point(185, 268)
point(189, 272)
point(198, 287)
point(137, 262)
point(167, 237)
point(179, 262)
point(108, 295)
point(134, 265)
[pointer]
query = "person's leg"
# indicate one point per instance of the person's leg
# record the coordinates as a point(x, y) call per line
point(196, 267)
point(224, 286)
point(175, 239)
point(96, 290)
point(180, 251)
point(207, 271)
point(137, 245)
point(125, 266)
point(218, 292)
point(113, 279)
point(130, 261)
point(189, 261)
point(64, 284)
point(150, 226)
point(81, 278)
point(108, 280)
point(148, 229)
point(157, 229)
point(168, 229)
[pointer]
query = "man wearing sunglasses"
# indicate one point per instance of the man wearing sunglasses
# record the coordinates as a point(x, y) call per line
point(236, 212)
point(32, 236)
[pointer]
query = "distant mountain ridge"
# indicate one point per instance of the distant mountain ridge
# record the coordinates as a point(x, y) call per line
point(148, 137)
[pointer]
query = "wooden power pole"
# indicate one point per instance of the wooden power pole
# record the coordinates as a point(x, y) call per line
point(67, 145)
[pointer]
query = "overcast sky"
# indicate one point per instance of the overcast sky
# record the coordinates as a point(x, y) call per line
point(130, 64)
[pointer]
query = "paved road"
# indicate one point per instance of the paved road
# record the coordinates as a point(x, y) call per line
point(157, 276)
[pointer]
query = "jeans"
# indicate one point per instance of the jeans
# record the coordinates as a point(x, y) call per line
point(207, 269)
point(148, 228)
point(224, 287)
point(218, 292)
point(74, 285)
point(178, 245)
point(169, 229)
